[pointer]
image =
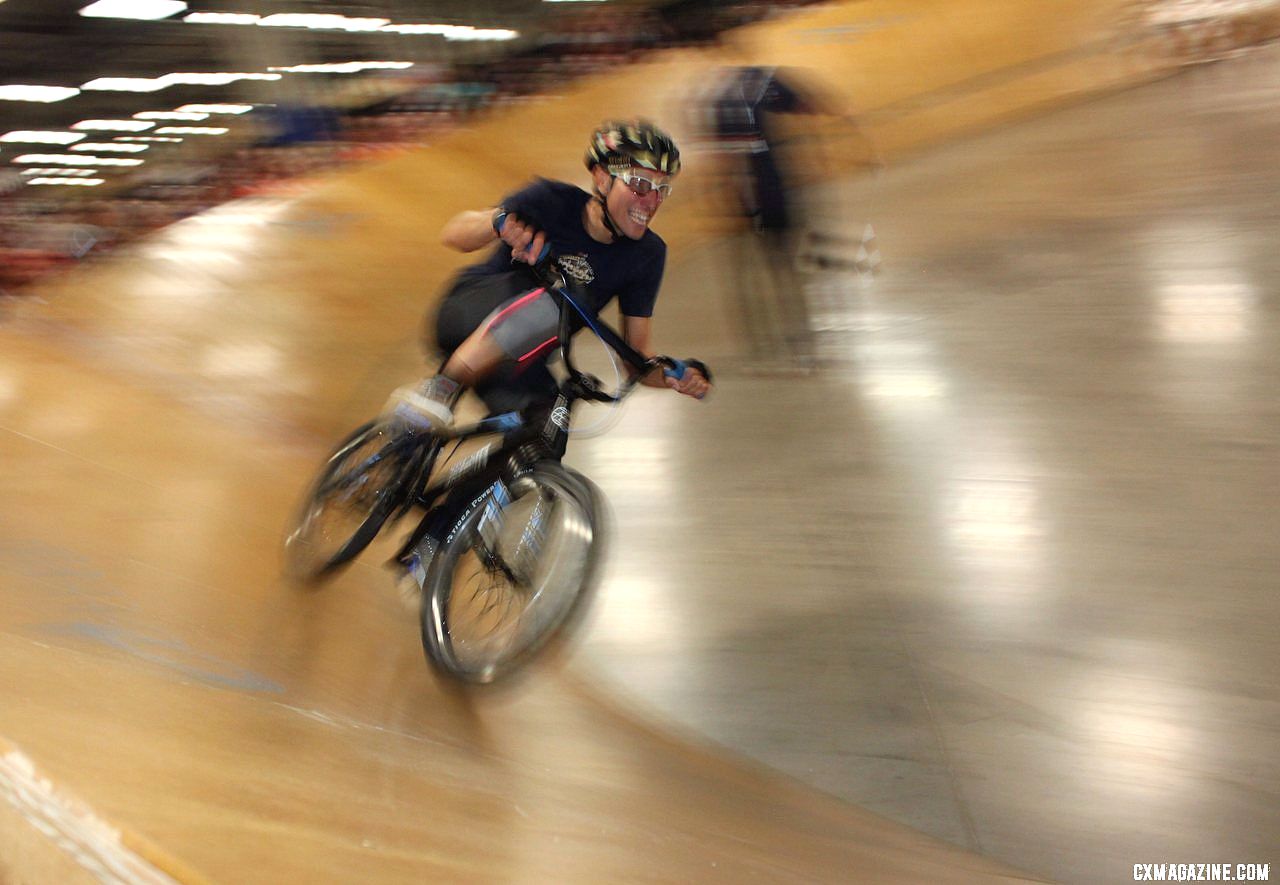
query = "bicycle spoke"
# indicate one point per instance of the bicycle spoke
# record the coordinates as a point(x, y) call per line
point(515, 579)
point(348, 504)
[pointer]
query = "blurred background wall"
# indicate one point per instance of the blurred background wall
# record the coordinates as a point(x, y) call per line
point(911, 73)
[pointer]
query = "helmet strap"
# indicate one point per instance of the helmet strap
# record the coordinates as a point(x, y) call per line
point(602, 199)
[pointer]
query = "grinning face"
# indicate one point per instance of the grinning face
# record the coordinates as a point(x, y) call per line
point(631, 212)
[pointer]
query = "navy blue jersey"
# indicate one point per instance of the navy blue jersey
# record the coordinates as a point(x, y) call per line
point(747, 98)
point(630, 270)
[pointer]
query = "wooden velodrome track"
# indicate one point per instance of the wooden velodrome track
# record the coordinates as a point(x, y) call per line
point(161, 413)
point(170, 707)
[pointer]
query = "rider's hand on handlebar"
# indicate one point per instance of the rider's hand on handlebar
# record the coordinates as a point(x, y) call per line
point(526, 240)
point(693, 384)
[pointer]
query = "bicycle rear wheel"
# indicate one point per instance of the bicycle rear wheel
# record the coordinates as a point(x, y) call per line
point(511, 574)
point(345, 508)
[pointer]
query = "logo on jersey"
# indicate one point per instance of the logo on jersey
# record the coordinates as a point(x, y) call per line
point(577, 268)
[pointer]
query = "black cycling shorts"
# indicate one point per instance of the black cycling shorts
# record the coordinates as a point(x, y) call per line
point(522, 318)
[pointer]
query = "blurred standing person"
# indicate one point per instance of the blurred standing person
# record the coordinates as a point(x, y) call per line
point(765, 276)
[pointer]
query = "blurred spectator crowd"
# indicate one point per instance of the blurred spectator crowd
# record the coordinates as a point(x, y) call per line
point(42, 232)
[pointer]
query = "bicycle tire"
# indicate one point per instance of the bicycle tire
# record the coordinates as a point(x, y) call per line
point(472, 582)
point(372, 451)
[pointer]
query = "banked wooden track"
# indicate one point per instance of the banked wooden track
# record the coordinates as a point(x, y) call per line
point(170, 707)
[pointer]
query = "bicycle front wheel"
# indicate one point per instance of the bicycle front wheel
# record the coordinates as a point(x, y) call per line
point(511, 574)
point(356, 491)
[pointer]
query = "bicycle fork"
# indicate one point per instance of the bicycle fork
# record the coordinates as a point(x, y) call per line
point(520, 561)
point(490, 527)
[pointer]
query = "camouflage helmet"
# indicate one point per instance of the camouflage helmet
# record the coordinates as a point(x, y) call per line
point(640, 143)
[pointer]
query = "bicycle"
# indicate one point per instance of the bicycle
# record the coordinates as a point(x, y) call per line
point(508, 547)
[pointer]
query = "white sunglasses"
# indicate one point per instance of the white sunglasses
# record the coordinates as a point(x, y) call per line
point(641, 185)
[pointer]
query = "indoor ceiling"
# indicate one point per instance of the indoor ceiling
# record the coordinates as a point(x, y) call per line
point(48, 43)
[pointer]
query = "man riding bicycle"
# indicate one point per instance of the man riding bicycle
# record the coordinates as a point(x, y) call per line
point(507, 547)
point(496, 325)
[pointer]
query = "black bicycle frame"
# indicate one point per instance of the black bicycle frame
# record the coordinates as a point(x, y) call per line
point(530, 435)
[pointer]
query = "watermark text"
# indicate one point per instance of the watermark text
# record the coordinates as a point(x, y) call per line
point(1201, 872)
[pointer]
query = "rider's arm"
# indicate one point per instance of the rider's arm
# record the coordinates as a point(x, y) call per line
point(636, 331)
point(469, 231)
point(474, 229)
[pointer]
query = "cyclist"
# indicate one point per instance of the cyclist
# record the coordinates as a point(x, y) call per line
point(496, 326)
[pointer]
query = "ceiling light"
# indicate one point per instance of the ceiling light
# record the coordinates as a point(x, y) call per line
point(217, 108)
point(222, 18)
point(334, 68)
point(455, 32)
point(110, 147)
point(440, 30)
point(349, 67)
point(146, 10)
point(113, 125)
point(482, 34)
point(36, 93)
point(43, 137)
point(124, 84)
point(64, 172)
point(154, 84)
point(83, 182)
point(189, 116)
point(219, 79)
point(192, 130)
point(322, 21)
point(146, 138)
point(69, 160)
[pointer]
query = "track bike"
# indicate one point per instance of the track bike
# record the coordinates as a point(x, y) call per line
point(509, 543)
